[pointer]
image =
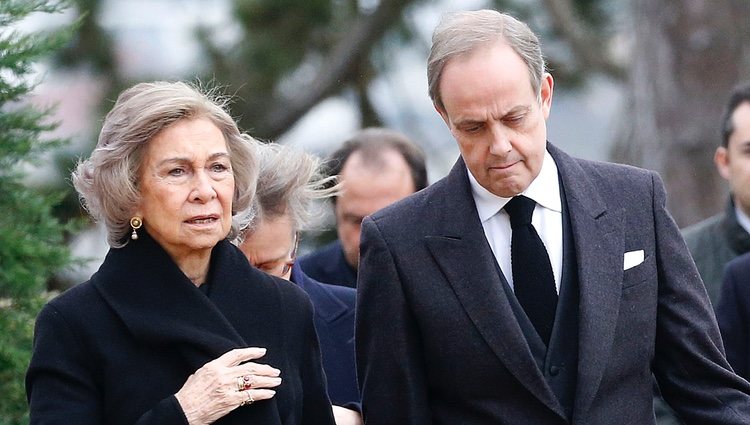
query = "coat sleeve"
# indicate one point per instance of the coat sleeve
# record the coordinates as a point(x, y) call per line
point(733, 318)
point(61, 382)
point(690, 367)
point(390, 364)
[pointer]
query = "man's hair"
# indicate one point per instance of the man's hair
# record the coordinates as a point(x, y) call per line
point(740, 94)
point(372, 143)
point(461, 33)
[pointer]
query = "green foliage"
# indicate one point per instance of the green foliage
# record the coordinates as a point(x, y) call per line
point(32, 245)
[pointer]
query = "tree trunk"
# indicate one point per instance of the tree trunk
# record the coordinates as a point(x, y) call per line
point(687, 55)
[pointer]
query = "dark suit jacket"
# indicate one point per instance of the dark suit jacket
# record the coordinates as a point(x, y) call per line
point(334, 323)
point(115, 349)
point(733, 313)
point(438, 343)
point(329, 265)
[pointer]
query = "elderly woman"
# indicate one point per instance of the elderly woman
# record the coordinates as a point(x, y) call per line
point(288, 183)
point(175, 327)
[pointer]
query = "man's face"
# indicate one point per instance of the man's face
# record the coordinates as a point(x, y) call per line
point(733, 162)
point(496, 118)
point(365, 190)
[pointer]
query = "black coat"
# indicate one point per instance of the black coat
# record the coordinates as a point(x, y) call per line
point(115, 350)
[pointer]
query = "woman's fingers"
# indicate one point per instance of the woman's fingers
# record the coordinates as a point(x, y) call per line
point(256, 369)
point(239, 355)
point(225, 383)
point(246, 382)
point(251, 396)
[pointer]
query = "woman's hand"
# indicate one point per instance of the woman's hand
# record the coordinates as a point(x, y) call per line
point(224, 384)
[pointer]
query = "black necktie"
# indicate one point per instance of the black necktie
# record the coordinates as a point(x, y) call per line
point(533, 280)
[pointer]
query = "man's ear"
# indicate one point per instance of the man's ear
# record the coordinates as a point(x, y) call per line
point(721, 159)
point(545, 91)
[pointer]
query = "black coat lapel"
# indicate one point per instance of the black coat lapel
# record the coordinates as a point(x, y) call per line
point(465, 258)
point(160, 306)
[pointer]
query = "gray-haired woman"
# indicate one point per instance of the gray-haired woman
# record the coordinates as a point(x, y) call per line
point(175, 327)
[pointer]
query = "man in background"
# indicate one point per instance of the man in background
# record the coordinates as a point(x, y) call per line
point(376, 167)
point(718, 239)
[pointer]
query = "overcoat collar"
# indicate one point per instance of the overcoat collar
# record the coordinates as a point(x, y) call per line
point(462, 253)
point(160, 306)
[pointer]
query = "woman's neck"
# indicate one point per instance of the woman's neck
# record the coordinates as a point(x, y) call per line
point(194, 265)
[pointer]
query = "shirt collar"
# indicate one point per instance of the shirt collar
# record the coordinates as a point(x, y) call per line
point(544, 189)
point(742, 218)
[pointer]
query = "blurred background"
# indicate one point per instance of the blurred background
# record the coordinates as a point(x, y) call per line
point(641, 82)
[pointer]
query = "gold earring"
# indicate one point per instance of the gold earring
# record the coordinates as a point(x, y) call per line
point(136, 224)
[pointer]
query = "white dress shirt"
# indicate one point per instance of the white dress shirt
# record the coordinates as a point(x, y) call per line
point(547, 218)
point(742, 218)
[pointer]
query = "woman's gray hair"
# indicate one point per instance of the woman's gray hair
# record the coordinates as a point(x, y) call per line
point(461, 33)
point(107, 182)
point(289, 181)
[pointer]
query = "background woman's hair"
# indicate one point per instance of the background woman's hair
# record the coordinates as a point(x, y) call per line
point(289, 182)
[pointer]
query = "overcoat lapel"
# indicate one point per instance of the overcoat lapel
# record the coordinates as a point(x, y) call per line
point(597, 234)
point(160, 306)
point(465, 258)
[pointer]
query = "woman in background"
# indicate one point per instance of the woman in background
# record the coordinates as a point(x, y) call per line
point(289, 182)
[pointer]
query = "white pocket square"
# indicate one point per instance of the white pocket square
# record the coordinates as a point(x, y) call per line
point(632, 259)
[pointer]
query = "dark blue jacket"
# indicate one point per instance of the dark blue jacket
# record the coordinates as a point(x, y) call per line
point(733, 313)
point(329, 265)
point(334, 323)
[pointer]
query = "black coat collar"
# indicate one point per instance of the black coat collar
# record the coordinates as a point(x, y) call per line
point(160, 306)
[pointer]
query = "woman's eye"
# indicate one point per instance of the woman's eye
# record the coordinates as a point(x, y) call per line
point(217, 168)
point(176, 172)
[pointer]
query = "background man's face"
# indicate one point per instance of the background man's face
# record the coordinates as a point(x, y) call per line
point(367, 189)
point(495, 117)
point(733, 162)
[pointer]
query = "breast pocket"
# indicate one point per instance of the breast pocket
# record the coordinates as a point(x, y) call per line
point(640, 273)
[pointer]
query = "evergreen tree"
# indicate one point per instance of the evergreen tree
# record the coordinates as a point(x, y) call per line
point(31, 239)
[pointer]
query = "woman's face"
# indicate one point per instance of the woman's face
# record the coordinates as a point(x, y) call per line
point(186, 185)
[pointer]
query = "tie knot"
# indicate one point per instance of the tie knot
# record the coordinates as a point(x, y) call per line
point(520, 209)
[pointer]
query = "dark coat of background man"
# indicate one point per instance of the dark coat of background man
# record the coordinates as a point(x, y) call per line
point(731, 235)
point(718, 239)
point(733, 313)
point(441, 336)
point(376, 167)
